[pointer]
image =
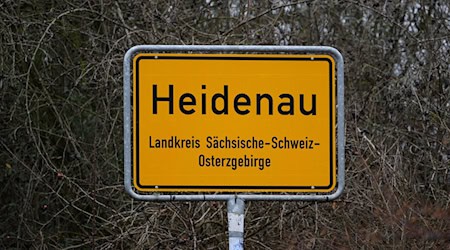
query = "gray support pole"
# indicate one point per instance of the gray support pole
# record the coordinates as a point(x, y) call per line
point(236, 223)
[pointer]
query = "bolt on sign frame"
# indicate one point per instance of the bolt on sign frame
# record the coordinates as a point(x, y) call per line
point(223, 100)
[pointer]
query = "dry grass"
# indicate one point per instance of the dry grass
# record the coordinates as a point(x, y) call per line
point(61, 125)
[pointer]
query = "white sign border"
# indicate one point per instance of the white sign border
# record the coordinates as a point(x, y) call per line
point(127, 117)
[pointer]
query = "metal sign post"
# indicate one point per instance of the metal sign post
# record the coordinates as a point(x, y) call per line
point(234, 123)
point(236, 223)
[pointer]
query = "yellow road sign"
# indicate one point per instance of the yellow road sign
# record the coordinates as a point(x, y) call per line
point(234, 123)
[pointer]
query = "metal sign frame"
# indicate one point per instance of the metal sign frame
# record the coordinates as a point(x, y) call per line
point(127, 83)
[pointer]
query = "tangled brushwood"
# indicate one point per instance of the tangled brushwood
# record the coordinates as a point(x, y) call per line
point(61, 139)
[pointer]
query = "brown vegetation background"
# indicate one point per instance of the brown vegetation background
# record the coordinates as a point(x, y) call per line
point(61, 135)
